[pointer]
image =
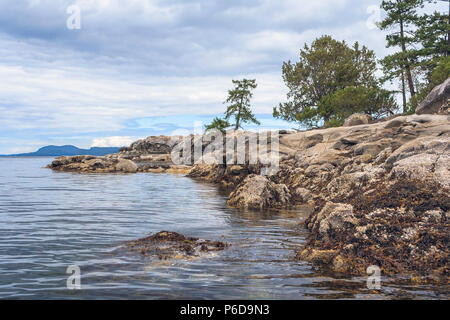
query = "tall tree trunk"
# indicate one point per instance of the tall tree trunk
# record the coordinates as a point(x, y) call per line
point(448, 33)
point(407, 65)
point(404, 92)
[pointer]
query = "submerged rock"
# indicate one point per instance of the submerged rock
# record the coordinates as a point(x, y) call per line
point(172, 245)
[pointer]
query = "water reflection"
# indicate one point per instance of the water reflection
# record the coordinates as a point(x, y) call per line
point(50, 220)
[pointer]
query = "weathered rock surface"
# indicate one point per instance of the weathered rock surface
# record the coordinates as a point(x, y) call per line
point(258, 192)
point(147, 155)
point(333, 219)
point(172, 245)
point(84, 164)
point(437, 100)
point(125, 165)
point(153, 145)
point(378, 191)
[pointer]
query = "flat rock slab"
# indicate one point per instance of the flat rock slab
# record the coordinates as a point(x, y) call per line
point(172, 245)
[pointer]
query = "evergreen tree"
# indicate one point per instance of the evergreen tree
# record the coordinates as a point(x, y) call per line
point(218, 124)
point(331, 81)
point(239, 100)
point(401, 19)
point(433, 35)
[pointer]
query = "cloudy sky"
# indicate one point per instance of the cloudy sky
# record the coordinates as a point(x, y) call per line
point(147, 67)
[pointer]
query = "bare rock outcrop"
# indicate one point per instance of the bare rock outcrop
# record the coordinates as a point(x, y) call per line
point(84, 164)
point(153, 145)
point(437, 100)
point(147, 155)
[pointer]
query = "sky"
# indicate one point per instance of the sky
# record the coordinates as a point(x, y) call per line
point(136, 68)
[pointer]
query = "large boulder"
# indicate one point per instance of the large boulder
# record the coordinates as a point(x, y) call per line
point(258, 192)
point(150, 145)
point(127, 166)
point(437, 100)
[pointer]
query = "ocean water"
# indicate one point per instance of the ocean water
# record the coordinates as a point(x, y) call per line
point(52, 220)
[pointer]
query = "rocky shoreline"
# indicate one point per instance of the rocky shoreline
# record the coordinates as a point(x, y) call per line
point(378, 192)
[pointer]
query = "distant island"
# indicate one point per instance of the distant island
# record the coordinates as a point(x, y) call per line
point(67, 150)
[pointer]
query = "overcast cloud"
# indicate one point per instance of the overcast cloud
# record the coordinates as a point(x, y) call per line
point(137, 67)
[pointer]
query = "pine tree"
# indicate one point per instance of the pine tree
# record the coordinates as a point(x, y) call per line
point(401, 19)
point(218, 124)
point(239, 100)
point(329, 82)
point(433, 35)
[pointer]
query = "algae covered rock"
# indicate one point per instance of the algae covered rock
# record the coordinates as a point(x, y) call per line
point(333, 219)
point(167, 245)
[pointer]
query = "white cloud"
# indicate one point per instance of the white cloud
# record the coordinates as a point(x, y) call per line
point(113, 141)
point(134, 59)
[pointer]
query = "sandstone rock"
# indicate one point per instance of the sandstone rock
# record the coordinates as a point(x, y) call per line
point(178, 169)
point(357, 119)
point(437, 100)
point(419, 166)
point(127, 166)
point(156, 170)
point(258, 192)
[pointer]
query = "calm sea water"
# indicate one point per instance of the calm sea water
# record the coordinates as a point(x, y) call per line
point(51, 220)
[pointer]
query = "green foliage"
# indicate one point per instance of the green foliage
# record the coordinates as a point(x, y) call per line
point(439, 74)
point(344, 102)
point(218, 124)
point(401, 18)
point(400, 13)
point(432, 32)
point(329, 82)
point(423, 42)
point(239, 102)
